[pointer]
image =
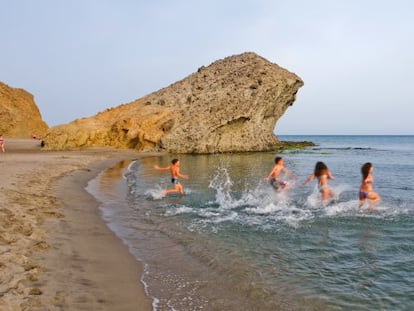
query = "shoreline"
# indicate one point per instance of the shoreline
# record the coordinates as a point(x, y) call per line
point(56, 251)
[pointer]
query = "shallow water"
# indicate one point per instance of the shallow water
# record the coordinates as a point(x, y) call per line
point(233, 243)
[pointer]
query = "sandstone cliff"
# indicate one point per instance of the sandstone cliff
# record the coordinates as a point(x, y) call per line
point(232, 105)
point(19, 115)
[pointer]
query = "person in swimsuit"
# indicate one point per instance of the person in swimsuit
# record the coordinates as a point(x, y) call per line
point(365, 190)
point(274, 176)
point(175, 174)
point(322, 174)
point(1, 143)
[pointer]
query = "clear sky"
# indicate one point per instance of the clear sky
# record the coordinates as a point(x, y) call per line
point(80, 57)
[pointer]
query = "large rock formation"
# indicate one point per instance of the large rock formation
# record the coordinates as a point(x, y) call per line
point(232, 105)
point(19, 115)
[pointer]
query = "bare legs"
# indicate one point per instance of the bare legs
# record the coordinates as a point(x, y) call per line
point(373, 198)
point(326, 194)
point(178, 188)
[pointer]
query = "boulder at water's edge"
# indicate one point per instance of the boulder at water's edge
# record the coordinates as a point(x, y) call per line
point(231, 105)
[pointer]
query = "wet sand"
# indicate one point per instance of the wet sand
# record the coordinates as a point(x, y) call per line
point(56, 253)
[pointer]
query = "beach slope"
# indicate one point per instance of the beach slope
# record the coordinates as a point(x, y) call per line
point(56, 253)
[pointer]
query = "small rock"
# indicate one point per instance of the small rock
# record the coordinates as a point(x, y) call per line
point(35, 291)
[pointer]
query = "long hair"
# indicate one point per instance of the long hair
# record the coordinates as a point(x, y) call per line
point(365, 169)
point(320, 169)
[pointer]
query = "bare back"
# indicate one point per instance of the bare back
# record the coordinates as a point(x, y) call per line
point(175, 171)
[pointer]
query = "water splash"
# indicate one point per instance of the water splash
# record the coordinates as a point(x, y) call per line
point(259, 205)
point(155, 193)
point(223, 184)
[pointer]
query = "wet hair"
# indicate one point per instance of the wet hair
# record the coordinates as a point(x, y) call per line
point(320, 169)
point(365, 169)
point(174, 161)
point(277, 159)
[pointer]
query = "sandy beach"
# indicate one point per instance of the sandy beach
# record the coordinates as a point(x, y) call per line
point(56, 253)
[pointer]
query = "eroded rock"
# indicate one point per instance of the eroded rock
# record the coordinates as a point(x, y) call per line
point(231, 105)
point(19, 114)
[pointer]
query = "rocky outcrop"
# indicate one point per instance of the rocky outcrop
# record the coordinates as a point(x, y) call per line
point(19, 115)
point(230, 106)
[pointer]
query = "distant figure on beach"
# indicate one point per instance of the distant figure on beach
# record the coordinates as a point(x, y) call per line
point(175, 174)
point(365, 190)
point(274, 176)
point(1, 143)
point(322, 174)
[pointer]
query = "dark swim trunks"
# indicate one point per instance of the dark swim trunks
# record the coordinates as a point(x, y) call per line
point(278, 184)
point(363, 195)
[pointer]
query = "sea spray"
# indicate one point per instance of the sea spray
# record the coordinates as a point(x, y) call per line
point(222, 184)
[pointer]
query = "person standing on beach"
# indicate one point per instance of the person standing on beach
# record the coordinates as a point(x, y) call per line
point(175, 174)
point(274, 176)
point(365, 190)
point(322, 174)
point(1, 143)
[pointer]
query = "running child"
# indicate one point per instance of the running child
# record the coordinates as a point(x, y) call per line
point(274, 176)
point(175, 174)
point(322, 174)
point(365, 190)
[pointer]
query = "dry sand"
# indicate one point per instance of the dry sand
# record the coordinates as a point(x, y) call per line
point(56, 253)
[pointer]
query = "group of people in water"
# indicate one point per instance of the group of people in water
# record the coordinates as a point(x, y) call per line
point(321, 173)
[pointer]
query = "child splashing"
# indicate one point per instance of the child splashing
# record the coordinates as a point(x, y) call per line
point(365, 190)
point(175, 173)
point(322, 174)
point(274, 176)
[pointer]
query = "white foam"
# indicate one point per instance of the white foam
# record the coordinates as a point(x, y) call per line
point(155, 193)
point(179, 210)
point(228, 217)
point(294, 221)
point(314, 199)
point(128, 170)
point(266, 209)
point(342, 208)
point(208, 213)
point(155, 300)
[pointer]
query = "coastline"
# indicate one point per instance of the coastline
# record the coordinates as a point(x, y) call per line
point(56, 251)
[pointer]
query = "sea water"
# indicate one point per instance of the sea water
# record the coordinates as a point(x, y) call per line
point(234, 243)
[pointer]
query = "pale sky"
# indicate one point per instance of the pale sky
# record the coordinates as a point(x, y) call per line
point(80, 57)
